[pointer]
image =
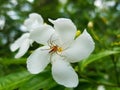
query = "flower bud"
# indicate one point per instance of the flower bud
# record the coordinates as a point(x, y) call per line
point(90, 24)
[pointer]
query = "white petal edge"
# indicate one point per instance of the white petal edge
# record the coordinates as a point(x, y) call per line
point(36, 16)
point(18, 42)
point(82, 47)
point(33, 21)
point(38, 60)
point(42, 34)
point(65, 29)
point(63, 73)
point(23, 48)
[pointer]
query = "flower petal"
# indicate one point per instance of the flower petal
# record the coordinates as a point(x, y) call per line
point(65, 28)
point(38, 60)
point(63, 73)
point(81, 48)
point(33, 21)
point(42, 34)
point(18, 42)
point(23, 48)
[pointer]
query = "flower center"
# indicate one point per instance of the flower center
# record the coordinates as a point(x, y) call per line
point(56, 49)
point(60, 49)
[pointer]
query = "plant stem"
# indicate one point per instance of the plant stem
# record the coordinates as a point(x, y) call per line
point(115, 68)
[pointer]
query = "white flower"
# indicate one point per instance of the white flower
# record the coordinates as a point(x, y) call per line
point(60, 50)
point(34, 22)
point(23, 43)
point(100, 87)
point(2, 22)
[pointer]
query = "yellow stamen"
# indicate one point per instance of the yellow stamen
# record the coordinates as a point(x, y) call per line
point(60, 49)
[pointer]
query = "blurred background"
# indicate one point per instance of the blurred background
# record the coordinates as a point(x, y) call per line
point(101, 18)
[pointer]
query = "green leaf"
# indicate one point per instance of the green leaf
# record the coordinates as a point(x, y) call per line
point(39, 81)
point(68, 89)
point(96, 57)
point(14, 80)
point(8, 61)
point(112, 88)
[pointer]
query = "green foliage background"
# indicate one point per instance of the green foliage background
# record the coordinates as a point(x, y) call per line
point(101, 68)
